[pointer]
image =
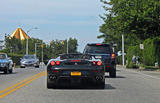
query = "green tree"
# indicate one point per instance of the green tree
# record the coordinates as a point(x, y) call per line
point(136, 19)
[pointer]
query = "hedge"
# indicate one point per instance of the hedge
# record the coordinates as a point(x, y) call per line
point(15, 58)
point(151, 51)
point(133, 50)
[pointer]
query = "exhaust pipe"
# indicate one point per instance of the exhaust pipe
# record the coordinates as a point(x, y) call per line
point(99, 77)
point(52, 77)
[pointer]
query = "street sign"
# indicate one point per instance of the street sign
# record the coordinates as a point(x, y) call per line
point(141, 46)
point(42, 46)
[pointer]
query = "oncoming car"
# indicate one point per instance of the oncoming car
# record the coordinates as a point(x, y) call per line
point(29, 60)
point(75, 68)
point(6, 64)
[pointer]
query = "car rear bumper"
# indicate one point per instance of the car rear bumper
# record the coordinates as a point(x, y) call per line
point(110, 67)
point(87, 74)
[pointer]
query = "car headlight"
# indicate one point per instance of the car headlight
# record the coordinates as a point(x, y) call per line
point(3, 64)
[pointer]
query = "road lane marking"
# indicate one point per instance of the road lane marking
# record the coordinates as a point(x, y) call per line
point(14, 89)
point(20, 84)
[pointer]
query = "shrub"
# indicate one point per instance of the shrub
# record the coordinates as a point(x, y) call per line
point(151, 51)
point(134, 50)
point(131, 65)
point(15, 58)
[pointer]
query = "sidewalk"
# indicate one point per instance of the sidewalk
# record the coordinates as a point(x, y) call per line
point(146, 72)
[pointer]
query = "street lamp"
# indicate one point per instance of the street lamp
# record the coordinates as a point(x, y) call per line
point(36, 47)
point(27, 39)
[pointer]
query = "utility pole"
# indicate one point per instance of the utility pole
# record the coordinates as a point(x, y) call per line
point(27, 46)
point(123, 49)
point(67, 46)
point(42, 51)
point(35, 48)
point(28, 38)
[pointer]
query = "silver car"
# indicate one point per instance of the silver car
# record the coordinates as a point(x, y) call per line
point(29, 60)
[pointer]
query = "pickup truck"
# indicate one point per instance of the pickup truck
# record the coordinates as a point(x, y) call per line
point(105, 53)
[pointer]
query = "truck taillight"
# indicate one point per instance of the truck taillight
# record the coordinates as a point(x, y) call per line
point(94, 62)
point(113, 55)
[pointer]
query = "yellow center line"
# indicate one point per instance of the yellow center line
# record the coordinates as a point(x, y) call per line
point(20, 82)
point(14, 89)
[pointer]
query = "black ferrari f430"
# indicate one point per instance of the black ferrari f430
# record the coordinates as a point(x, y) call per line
point(75, 68)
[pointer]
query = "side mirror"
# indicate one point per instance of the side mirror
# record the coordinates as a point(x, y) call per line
point(9, 58)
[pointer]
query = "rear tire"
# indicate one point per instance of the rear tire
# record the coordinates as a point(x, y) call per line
point(6, 71)
point(37, 66)
point(10, 71)
point(22, 66)
point(101, 85)
point(112, 74)
point(50, 85)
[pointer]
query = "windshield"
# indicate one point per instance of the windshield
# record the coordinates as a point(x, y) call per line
point(29, 57)
point(98, 49)
point(2, 56)
point(75, 56)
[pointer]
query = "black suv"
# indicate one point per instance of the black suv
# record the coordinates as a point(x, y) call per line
point(105, 53)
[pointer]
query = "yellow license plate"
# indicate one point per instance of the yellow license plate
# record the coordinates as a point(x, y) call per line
point(75, 73)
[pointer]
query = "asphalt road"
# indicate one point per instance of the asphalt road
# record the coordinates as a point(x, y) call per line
point(130, 86)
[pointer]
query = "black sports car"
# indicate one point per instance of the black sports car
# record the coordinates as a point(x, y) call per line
point(75, 68)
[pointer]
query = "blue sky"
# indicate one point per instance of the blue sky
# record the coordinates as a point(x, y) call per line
point(56, 19)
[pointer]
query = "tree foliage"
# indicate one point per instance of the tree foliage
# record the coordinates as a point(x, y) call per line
point(18, 47)
point(136, 19)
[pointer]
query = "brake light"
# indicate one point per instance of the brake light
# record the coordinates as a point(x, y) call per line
point(94, 62)
point(99, 63)
point(98, 44)
point(55, 71)
point(107, 66)
point(113, 56)
point(58, 62)
point(75, 60)
point(52, 63)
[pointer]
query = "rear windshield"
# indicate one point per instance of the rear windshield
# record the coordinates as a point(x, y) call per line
point(98, 49)
point(75, 56)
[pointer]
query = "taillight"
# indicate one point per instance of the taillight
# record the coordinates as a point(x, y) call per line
point(75, 60)
point(94, 62)
point(52, 63)
point(55, 71)
point(98, 44)
point(113, 56)
point(58, 62)
point(99, 63)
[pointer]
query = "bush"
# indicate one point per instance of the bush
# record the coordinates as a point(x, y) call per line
point(151, 51)
point(133, 50)
point(131, 65)
point(15, 58)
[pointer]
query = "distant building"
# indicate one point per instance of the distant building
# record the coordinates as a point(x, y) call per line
point(2, 44)
point(19, 34)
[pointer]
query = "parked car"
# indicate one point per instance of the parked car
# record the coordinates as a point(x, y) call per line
point(6, 64)
point(29, 60)
point(75, 68)
point(105, 53)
